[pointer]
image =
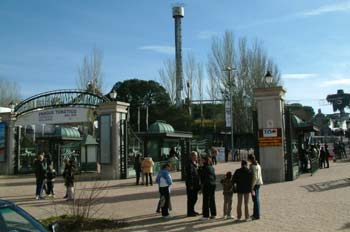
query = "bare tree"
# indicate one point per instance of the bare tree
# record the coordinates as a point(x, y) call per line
point(191, 70)
point(248, 66)
point(200, 89)
point(9, 92)
point(90, 72)
point(167, 78)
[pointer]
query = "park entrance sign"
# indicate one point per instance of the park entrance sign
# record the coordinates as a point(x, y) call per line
point(56, 116)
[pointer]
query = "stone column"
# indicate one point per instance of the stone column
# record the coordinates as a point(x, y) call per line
point(7, 167)
point(270, 107)
point(109, 157)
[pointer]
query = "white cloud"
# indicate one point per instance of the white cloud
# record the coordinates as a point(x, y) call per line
point(206, 34)
point(159, 48)
point(343, 81)
point(299, 75)
point(336, 7)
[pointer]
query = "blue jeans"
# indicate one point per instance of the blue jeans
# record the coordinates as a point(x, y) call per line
point(256, 201)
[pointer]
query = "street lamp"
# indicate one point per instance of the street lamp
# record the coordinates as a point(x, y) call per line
point(229, 69)
point(268, 78)
point(12, 106)
point(113, 95)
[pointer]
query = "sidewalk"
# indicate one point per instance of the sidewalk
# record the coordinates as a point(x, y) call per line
point(311, 203)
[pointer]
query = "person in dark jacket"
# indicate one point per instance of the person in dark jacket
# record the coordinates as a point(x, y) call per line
point(192, 184)
point(40, 175)
point(327, 156)
point(137, 167)
point(69, 179)
point(242, 178)
point(208, 181)
point(50, 179)
point(322, 158)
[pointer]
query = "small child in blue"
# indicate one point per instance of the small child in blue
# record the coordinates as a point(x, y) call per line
point(164, 181)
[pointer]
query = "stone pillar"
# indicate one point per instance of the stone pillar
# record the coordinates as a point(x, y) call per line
point(110, 115)
point(7, 167)
point(270, 107)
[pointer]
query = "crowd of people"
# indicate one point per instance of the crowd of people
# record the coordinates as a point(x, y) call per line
point(45, 175)
point(201, 177)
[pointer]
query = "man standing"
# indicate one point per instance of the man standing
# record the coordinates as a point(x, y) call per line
point(40, 173)
point(192, 184)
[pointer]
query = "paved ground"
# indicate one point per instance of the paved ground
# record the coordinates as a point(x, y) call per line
point(310, 203)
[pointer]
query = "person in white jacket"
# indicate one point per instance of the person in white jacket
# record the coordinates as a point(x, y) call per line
point(256, 182)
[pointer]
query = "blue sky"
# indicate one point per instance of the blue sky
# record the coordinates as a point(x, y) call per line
point(42, 43)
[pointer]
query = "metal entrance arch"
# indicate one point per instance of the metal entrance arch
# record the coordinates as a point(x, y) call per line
point(58, 107)
point(60, 98)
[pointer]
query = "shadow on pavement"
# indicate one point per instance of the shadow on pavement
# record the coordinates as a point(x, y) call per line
point(329, 185)
point(346, 226)
point(154, 222)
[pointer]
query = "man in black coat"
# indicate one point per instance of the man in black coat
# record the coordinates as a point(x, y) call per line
point(192, 184)
point(242, 178)
point(40, 175)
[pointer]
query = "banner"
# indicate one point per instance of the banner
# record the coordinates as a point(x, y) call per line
point(2, 142)
point(228, 113)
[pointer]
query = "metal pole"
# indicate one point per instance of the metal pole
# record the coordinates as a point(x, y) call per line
point(231, 111)
point(146, 117)
point(138, 119)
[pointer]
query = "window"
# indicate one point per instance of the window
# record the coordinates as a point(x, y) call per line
point(13, 221)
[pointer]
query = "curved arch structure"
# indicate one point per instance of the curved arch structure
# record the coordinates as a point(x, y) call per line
point(60, 98)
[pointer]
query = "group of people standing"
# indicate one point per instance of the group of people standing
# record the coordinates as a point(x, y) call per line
point(45, 175)
point(144, 170)
point(245, 182)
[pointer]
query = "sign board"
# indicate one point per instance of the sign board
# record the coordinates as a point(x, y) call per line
point(2, 142)
point(270, 137)
point(221, 154)
point(56, 116)
point(269, 133)
point(105, 139)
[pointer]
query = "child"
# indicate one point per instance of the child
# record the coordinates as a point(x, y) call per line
point(164, 181)
point(69, 179)
point(50, 179)
point(228, 194)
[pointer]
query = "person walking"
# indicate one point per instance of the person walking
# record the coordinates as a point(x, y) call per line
point(192, 184)
point(214, 154)
point(322, 158)
point(242, 179)
point(327, 156)
point(69, 179)
point(255, 186)
point(164, 182)
point(228, 194)
point(147, 169)
point(137, 167)
point(40, 175)
point(208, 181)
point(50, 179)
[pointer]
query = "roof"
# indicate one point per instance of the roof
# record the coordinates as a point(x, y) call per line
point(89, 140)
point(67, 133)
point(160, 127)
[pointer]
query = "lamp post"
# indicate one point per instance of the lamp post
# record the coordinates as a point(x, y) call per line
point(229, 69)
point(268, 78)
point(113, 95)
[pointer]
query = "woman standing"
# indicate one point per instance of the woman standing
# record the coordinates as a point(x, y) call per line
point(208, 181)
point(69, 179)
point(256, 182)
